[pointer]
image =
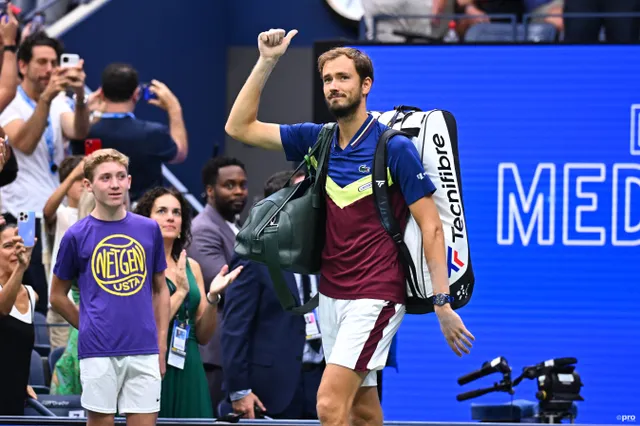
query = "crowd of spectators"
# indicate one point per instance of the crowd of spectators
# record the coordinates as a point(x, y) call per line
point(574, 21)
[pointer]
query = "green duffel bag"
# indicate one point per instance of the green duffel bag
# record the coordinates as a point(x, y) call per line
point(286, 231)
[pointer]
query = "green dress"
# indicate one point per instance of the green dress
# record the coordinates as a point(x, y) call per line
point(185, 393)
point(65, 379)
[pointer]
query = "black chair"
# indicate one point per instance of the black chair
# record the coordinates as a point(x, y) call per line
point(54, 356)
point(57, 405)
point(41, 343)
point(37, 376)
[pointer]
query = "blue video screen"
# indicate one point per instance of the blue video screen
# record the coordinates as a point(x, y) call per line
point(549, 144)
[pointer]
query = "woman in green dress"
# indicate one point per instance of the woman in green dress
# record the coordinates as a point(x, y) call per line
point(185, 393)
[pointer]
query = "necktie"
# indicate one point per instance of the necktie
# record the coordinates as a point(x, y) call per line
point(306, 293)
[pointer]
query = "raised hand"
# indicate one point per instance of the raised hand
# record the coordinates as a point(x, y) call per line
point(166, 99)
point(222, 280)
point(182, 283)
point(274, 43)
point(23, 253)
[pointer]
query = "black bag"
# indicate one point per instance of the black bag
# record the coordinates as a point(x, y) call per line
point(286, 231)
point(435, 135)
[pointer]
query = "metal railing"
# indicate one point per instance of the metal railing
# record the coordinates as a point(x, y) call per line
point(511, 19)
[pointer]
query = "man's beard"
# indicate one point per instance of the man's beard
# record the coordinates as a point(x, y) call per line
point(342, 111)
point(228, 209)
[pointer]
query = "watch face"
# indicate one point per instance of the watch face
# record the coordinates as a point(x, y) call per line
point(441, 299)
point(350, 9)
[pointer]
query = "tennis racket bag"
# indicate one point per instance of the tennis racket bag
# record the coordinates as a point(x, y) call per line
point(435, 136)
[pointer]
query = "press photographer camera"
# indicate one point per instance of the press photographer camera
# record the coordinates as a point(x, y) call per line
point(558, 386)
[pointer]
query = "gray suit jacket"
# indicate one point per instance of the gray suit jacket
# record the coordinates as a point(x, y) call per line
point(212, 247)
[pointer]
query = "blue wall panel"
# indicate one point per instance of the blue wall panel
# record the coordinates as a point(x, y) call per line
point(567, 282)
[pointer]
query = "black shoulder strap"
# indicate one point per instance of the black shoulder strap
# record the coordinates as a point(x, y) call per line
point(318, 150)
point(380, 190)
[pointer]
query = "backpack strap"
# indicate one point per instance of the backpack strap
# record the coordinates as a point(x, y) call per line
point(380, 188)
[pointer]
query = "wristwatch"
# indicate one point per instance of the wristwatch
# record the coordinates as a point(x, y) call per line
point(213, 302)
point(442, 299)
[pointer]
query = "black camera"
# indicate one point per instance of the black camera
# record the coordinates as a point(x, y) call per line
point(558, 386)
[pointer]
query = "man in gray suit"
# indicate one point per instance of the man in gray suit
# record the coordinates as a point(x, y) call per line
point(214, 230)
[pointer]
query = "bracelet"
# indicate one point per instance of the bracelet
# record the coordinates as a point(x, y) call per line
point(214, 302)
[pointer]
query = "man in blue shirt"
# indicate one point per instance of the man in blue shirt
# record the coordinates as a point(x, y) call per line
point(148, 145)
point(362, 284)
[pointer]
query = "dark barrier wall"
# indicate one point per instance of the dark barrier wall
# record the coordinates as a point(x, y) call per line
point(320, 22)
point(186, 48)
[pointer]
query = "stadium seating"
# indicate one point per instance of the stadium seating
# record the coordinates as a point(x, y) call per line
point(54, 356)
point(37, 377)
point(58, 405)
point(501, 32)
point(42, 336)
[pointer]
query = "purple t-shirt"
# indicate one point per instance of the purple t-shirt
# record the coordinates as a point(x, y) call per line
point(114, 263)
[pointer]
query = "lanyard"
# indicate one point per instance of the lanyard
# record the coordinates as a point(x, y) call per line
point(186, 308)
point(48, 132)
point(117, 115)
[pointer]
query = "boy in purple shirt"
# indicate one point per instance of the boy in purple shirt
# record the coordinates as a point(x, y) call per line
point(118, 259)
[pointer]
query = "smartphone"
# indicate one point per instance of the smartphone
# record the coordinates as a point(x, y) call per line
point(146, 93)
point(27, 228)
point(69, 60)
point(91, 145)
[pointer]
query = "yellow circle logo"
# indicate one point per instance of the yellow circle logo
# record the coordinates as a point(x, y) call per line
point(119, 265)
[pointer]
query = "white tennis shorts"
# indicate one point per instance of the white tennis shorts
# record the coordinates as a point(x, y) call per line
point(357, 334)
point(123, 384)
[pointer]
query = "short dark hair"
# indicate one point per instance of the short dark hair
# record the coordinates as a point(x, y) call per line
point(145, 204)
point(40, 38)
point(213, 165)
point(67, 165)
point(10, 221)
point(362, 62)
point(279, 180)
point(119, 82)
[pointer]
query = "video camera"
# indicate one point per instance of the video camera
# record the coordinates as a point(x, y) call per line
point(558, 385)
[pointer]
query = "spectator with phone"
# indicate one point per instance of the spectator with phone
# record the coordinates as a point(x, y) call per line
point(147, 144)
point(58, 218)
point(17, 304)
point(38, 122)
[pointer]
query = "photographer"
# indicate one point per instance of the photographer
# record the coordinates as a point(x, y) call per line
point(149, 145)
point(38, 122)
